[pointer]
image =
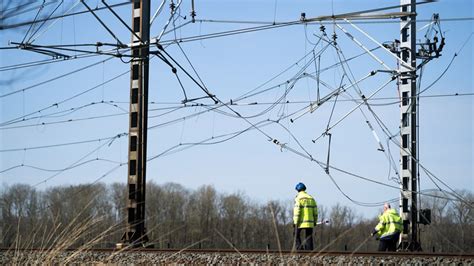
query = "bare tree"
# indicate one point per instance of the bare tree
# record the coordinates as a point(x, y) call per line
point(202, 216)
point(73, 216)
point(462, 214)
point(232, 211)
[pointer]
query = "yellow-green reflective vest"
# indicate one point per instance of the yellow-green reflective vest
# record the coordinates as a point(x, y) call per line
point(305, 212)
point(389, 223)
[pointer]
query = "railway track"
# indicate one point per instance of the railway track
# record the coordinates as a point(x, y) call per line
point(252, 251)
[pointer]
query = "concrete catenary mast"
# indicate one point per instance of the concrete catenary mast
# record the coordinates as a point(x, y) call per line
point(408, 129)
point(135, 234)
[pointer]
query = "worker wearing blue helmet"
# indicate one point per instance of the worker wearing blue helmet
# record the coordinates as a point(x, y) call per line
point(305, 216)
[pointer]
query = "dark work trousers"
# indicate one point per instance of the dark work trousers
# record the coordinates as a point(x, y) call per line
point(307, 240)
point(389, 243)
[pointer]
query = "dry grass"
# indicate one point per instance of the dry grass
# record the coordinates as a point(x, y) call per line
point(55, 239)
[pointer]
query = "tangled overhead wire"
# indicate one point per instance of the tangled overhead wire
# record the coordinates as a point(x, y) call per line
point(431, 49)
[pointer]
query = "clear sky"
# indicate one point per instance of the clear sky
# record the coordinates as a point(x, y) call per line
point(230, 67)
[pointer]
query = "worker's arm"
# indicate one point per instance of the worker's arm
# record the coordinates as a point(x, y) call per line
point(296, 212)
point(380, 226)
point(315, 213)
point(374, 232)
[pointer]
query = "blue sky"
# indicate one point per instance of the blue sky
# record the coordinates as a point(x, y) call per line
point(229, 67)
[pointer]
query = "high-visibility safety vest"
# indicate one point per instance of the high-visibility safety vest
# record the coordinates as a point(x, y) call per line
point(305, 212)
point(389, 224)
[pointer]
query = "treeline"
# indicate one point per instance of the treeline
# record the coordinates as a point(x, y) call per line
point(94, 215)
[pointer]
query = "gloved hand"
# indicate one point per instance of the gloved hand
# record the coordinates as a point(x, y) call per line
point(374, 233)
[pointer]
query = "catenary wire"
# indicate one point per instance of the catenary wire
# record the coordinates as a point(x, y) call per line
point(64, 144)
point(54, 79)
point(58, 170)
point(26, 23)
point(57, 104)
point(76, 162)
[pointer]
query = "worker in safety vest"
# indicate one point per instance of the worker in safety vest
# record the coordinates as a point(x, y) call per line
point(305, 216)
point(388, 229)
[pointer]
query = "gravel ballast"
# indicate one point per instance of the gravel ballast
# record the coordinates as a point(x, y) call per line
point(94, 257)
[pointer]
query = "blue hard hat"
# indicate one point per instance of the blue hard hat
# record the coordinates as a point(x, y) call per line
point(300, 187)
